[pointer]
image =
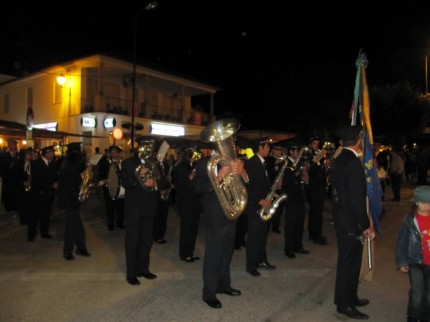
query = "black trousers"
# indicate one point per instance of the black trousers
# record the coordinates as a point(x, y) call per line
point(74, 233)
point(256, 241)
point(315, 197)
point(419, 293)
point(396, 183)
point(114, 210)
point(160, 220)
point(294, 226)
point(350, 252)
point(189, 216)
point(40, 215)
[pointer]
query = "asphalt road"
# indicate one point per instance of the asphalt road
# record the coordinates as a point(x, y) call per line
point(37, 284)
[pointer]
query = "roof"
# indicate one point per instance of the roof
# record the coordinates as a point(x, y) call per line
point(18, 130)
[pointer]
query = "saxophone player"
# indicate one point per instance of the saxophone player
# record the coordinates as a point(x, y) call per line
point(274, 163)
point(295, 209)
point(258, 187)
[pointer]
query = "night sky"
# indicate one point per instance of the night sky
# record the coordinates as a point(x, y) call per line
point(276, 57)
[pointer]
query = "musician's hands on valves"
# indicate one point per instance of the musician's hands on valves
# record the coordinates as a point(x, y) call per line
point(150, 182)
point(236, 167)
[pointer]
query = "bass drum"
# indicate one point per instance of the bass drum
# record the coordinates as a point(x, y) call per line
point(113, 185)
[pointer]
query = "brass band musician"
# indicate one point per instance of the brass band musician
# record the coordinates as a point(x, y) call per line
point(315, 194)
point(114, 205)
point(140, 202)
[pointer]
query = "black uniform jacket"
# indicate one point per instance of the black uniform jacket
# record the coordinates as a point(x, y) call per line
point(258, 186)
point(349, 194)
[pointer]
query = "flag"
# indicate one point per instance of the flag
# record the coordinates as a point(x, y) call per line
point(361, 107)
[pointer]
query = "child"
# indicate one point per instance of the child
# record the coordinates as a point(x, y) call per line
point(413, 255)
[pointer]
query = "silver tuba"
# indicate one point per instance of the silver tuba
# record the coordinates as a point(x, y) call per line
point(231, 192)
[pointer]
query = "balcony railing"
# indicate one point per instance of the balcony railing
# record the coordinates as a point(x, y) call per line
point(149, 111)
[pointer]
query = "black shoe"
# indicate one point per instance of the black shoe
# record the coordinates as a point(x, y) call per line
point(362, 302)
point(148, 275)
point(276, 230)
point(231, 292)
point(120, 226)
point(302, 251)
point(83, 252)
point(352, 312)
point(266, 265)
point(161, 241)
point(30, 239)
point(254, 272)
point(46, 236)
point(290, 254)
point(320, 240)
point(133, 281)
point(196, 258)
point(213, 302)
point(395, 200)
point(111, 228)
point(68, 257)
point(189, 259)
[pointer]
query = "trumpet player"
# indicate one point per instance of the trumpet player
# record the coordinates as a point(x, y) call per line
point(140, 203)
point(295, 209)
point(351, 221)
point(315, 194)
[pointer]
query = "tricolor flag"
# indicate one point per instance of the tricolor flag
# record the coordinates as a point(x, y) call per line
point(361, 107)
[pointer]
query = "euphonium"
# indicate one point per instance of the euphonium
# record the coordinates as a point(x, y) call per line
point(146, 155)
point(231, 192)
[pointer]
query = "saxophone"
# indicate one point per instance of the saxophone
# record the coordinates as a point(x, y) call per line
point(266, 213)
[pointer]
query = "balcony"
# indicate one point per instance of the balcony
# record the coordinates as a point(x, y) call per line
point(149, 111)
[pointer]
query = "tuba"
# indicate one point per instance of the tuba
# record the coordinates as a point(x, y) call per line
point(231, 192)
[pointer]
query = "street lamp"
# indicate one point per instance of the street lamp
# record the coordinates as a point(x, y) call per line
point(150, 6)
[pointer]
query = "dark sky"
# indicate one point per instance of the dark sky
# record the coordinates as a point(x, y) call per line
point(276, 57)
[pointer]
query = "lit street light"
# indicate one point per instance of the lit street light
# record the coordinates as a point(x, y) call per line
point(150, 6)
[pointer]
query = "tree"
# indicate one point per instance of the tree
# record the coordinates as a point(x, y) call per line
point(398, 112)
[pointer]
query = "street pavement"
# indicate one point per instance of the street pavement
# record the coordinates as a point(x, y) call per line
point(37, 284)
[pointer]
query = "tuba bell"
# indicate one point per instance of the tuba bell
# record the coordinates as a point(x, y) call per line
point(231, 192)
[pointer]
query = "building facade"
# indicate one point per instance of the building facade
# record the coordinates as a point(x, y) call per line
point(94, 100)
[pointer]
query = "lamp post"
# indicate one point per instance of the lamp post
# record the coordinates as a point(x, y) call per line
point(427, 80)
point(150, 6)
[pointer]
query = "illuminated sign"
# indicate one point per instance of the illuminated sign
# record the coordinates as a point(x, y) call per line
point(109, 122)
point(52, 126)
point(167, 129)
point(88, 122)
